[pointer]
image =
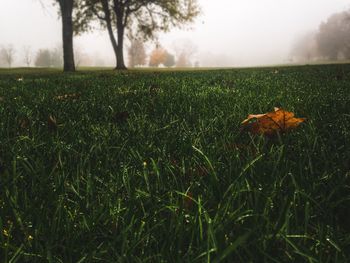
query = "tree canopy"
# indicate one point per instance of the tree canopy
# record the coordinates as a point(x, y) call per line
point(334, 36)
point(329, 42)
point(145, 17)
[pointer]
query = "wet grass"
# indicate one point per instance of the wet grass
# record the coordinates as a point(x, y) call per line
point(147, 166)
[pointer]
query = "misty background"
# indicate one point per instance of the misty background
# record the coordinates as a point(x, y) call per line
point(228, 33)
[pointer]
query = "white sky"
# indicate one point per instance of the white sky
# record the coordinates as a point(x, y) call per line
point(244, 32)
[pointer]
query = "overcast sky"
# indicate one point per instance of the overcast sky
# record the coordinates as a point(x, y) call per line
point(241, 32)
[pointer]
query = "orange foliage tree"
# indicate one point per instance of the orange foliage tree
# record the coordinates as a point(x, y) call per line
point(157, 57)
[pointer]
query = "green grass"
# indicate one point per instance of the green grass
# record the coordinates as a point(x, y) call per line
point(174, 178)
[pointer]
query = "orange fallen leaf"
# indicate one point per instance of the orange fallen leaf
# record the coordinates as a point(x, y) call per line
point(271, 123)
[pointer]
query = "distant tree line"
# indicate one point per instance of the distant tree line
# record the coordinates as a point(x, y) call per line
point(160, 56)
point(137, 56)
point(49, 58)
point(45, 57)
point(54, 58)
point(330, 42)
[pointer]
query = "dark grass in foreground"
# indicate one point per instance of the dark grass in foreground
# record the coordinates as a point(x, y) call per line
point(153, 167)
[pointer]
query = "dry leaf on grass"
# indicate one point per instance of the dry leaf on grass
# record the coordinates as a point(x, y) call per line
point(271, 123)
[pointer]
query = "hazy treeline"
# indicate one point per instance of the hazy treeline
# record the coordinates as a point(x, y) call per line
point(44, 57)
point(330, 42)
point(138, 55)
point(181, 56)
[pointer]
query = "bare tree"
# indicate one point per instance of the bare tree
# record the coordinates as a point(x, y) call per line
point(27, 55)
point(43, 58)
point(78, 55)
point(185, 50)
point(137, 53)
point(182, 60)
point(7, 54)
point(56, 57)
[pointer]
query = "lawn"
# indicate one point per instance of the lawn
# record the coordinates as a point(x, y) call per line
point(154, 166)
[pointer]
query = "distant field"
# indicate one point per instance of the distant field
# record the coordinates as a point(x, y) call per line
point(152, 166)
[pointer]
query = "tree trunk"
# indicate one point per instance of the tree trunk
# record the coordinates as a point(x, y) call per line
point(116, 44)
point(120, 52)
point(120, 48)
point(112, 38)
point(67, 35)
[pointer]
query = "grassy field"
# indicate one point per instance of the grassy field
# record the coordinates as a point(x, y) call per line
point(146, 166)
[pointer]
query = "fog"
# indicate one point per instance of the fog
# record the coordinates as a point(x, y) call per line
point(227, 33)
